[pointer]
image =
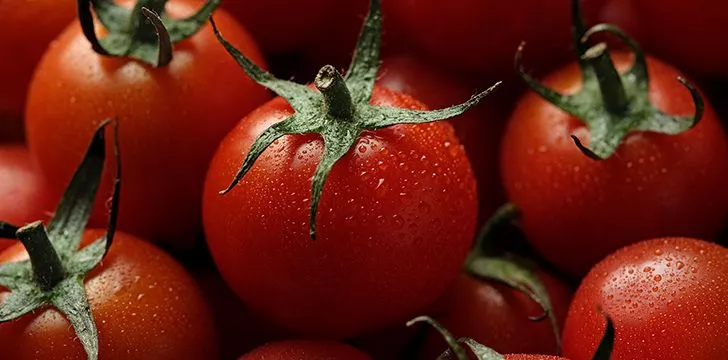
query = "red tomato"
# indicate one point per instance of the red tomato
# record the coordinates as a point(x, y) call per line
point(497, 316)
point(483, 35)
point(478, 130)
point(23, 191)
point(144, 303)
point(402, 197)
point(171, 119)
point(533, 357)
point(666, 299)
point(577, 210)
point(27, 29)
point(698, 45)
point(305, 350)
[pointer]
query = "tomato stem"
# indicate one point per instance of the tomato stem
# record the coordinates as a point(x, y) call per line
point(610, 82)
point(47, 267)
point(337, 97)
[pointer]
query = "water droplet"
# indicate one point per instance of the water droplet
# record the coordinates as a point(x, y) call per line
point(398, 220)
point(542, 149)
point(629, 164)
point(658, 278)
point(362, 149)
point(647, 269)
point(680, 265)
point(379, 183)
point(447, 144)
point(658, 252)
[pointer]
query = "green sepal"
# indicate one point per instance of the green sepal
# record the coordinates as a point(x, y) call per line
point(606, 346)
point(54, 273)
point(7, 230)
point(611, 104)
point(144, 33)
point(456, 350)
point(339, 112)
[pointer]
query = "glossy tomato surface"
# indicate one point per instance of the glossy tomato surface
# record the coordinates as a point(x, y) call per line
point(577, 210)
point(665, 296)
point(171, 120)
point(144, 303)
point(396, 218)
point(498, 316)
point(532, 357)
point(27, 29)
point(305, 350)
point(479, 129)
point(24, 194)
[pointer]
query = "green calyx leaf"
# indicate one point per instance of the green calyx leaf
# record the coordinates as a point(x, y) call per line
point(482, 264)
point(339, 111)
point(606, 346)
point(456, 350)
point(610, 103)
point(54, 273)
point(143, 33)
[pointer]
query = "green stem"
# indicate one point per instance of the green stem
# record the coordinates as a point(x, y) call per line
point(503, 217)
point(337, 97)
point(47, 267)
point(612, 89)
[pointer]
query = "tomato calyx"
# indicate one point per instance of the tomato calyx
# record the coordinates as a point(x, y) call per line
point(509, 270)
point(610, 103)
point(339, 111)
point(143, 33)
point(54, 273)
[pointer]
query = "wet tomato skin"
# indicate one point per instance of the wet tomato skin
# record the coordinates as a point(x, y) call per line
point(400, 198)
point(305, 350)
point(577, 210)
point(665, 297)
point(146, 306)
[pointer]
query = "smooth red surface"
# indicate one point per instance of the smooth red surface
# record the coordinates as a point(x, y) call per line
point(533, 357)
point(497, 316)
point(479, 129)
point(396, 219)
point(144, 303)
point(171, 120)
point(577, 210)
point(666, 297)
point(305, 350)
point(23, 191)
point(27, 29)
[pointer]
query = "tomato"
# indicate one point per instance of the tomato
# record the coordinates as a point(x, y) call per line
point(532, 357)
point(693, 46)
point(498, 316)
point(23, 191)
point(28, 27)
point(576, 210)
point(665, 297)
point(402, 197)
point(305, 350)
point(144, 303)
point(478, 130)
point(482, 35)
point(171, 120)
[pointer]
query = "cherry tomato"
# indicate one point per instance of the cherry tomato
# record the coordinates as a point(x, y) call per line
point(532, 357)
point(402, 197)
point(27, 29)
point(305, 350)
point(23, 191)
point(171, 120)
point(577, 210)
point(498, 316)
point(478, 130)
point(665, 297)
point(144, 303)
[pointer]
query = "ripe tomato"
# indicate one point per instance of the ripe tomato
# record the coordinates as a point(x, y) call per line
point(665, 296)
point(25, 197)
point(402, 196)
point(532, 357)
point(497, 316)
point(482, 35)
point(28, 27)
point(144, 303)
point(171, 120)
point(478, 130)
point(577, 210)
point(305, 350)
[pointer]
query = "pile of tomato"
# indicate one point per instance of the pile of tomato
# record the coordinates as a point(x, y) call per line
point(363, 179)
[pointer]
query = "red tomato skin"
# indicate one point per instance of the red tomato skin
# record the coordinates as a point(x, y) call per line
point(28, 28)
point(170, 121)
point(533, 357)
point(665, 297)
point(305, 350)
point(479, 129)
point(146, 306)
point(497, 316)
point(402, 197)
point(577, 210)
point(23, 190)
